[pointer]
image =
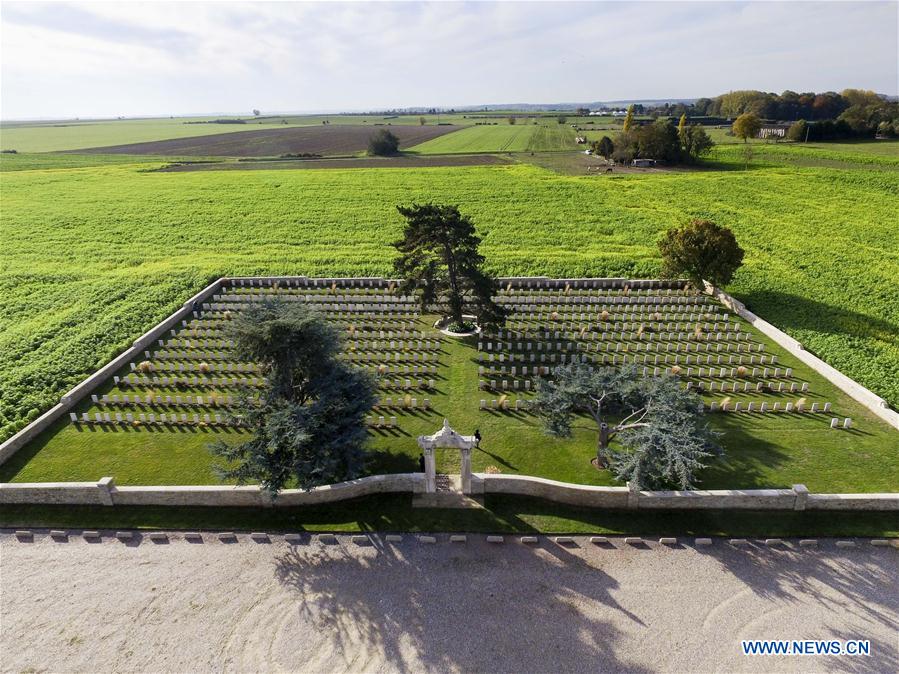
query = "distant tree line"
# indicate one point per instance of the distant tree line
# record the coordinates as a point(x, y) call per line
point(851, 113)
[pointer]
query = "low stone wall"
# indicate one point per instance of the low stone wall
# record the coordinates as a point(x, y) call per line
point(866, 397)
point(559, 492)
point(104, 492)
point(853, 502)
point(52, 493)
point(719, 499)
point(796, 498)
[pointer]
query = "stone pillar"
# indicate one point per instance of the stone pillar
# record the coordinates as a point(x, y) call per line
point(633, 496)
point(430, 471)
point(801, 499)
point(106, 487)
point(466, 471)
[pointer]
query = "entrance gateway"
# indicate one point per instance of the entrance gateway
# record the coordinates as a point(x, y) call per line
point(448, 438)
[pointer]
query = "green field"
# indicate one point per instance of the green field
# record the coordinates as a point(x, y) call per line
point(73, 135)
point(65, 135)
point(94, 256)
point(520, 137)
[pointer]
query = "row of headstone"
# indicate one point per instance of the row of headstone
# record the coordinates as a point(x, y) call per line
point(193, 382)
point(385, 369)
point(764, 406)
point(189, 401)
point(625, 326)
point(401, 403)
point(506, 385)
point(395, 345)
point(130, 418)
point(405, 384)
point(173, 366)
point(382, 422)
point(735, 387)
point(554, 299)
point(519, 404)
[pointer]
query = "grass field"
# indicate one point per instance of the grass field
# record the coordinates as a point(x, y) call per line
point(502, 138)
point(319, 140)
point(502, 514)
point(94, 256)
point(75, 135)
point(61, 135)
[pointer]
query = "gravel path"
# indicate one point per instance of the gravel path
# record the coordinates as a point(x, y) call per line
point(69, 605)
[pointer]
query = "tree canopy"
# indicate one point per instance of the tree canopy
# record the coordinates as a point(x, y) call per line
point(628, 119)
point(662, 141)
point(747, 126)
point(383, 143)
point(439, 260)
point(308, 419)
point(701, 251)
point(658, 424)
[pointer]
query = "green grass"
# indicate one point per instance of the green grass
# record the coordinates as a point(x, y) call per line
point(94, 256)
point(75, 135)
point(30, 161)
point(522, 137)
point(761, 451)
point(503, 514)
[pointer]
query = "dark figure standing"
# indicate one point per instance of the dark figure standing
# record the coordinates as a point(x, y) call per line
point(477, 438)
point(421, 463)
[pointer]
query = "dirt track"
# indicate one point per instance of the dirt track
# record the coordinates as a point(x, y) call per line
point(412, 607)
point(339, 139)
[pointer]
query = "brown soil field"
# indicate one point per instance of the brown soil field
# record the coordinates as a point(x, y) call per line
point(323, 140)
point(402, 161)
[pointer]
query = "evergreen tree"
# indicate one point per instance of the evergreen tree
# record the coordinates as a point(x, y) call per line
point(308, 420)
point(659, 425)
point(439, 259)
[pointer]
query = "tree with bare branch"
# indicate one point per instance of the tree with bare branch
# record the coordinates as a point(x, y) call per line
point(659, 425)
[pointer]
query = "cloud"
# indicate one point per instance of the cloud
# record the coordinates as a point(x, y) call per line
point(170, 58)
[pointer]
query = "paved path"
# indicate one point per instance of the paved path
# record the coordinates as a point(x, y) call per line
point(75, 606)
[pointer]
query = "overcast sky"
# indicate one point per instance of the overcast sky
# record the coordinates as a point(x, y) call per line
point(110, 59)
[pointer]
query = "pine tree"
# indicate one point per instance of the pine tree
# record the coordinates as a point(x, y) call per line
point(439, 260)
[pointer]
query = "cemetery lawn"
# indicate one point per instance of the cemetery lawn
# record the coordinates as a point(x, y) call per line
point(771, 450)
point(502, 514)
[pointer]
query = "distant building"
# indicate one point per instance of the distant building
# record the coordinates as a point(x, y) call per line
point(774, 131)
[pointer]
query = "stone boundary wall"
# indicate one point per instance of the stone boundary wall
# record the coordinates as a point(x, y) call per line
point(75, 395)
point(105, 492)
point(852, 388)
point(796, 498)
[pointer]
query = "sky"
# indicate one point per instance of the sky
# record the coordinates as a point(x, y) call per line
point(63, 60)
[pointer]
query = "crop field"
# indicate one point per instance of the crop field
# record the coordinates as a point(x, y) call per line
point(322, 140)
point(95, 256)
point(75, 135)
point(398, 161)
point(154, 421)
point(502, 138)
